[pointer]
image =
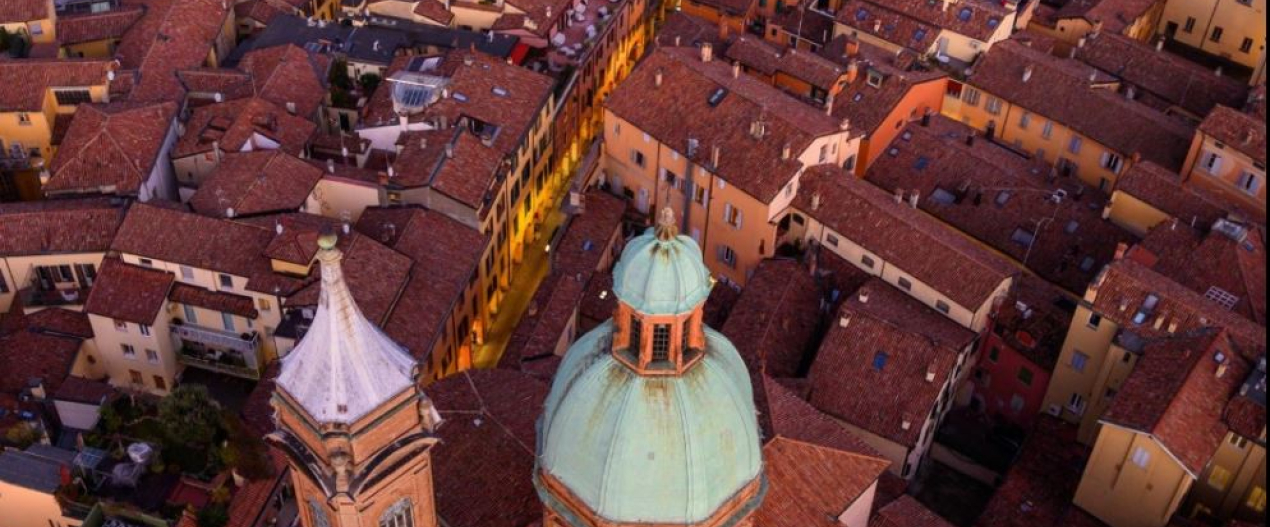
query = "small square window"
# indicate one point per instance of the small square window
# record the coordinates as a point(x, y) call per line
point(867, 261)
point(1141, 457)
point(121, 326)
point(905, 284)
point(879, 360)
point(943, 307)
point(226, 281)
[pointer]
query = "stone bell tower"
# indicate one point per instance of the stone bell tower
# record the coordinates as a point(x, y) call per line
point(351, 418)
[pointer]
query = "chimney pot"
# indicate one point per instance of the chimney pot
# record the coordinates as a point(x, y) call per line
point(1027, 73)
point(330, 165)
point(914, 198)
point(786, 151)
point(899, 196)
point(657, 76)
point(715, 153)
point(707, 52)
point(736, 69)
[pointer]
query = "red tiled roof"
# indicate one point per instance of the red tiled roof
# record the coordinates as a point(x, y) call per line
point(753, 165)
point(81, 390)
point(1206, 263)
point(523, 94)
point(731, 7)
point(224, 246)
point(433, 10)
point(1164, 189)
point(906, 511)
point(128, 292)
point(1039, 488)
point(757, 54)
point(58, 226)
point(115, 145)
point(682, 29)
point(1237, 130)
point(582, 247)
point(376, 275)
point(27, 81)
point(173, 35)
point(1115, 15)
point(909, 341)
point(912, 240)
point(1175, 394)
point(288, 74)
point(90, 27)
point(252, 500)
point(1124, 286)
point(869, 106)
point(805, 22)
point(785, 414)
point(26, 355)
point(233, 124)
point(208, 82)
point(454, 162)
point(259, 182)
point(899, 21)
point(183, 293)
point(538, 11)
point(445, 255)
point(963, 186)
point(487, 442)
point(808, 485)
point(1162, 79)
point(1037, 332)
point(25, 10)
point(774, 322)
point(1061, 89)
point(60, 321)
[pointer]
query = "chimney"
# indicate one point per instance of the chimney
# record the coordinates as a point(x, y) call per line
point(815, 201)
point(715, 152)
point(1121, 248)
point(1221, 369)
point(1027, 72)
point(449, 150)
point(676, 40)
point(707, 52)
point(899, 196)
point(736, 69)
point(1219, 71)
point(946, 4)
point(657, 78)
point(229, 212)
point(1093, 75)
point(864, 295)
point(906, 424)
point(1130, 93)
point(330, 165)
point(1159, 45)
point(723, 30)
point(930, 372)
point(844, 321)
point(829, 105)
point(852, 49)
point(970, 139)
point(914, 198)
point(1249, 135)
point(853, 71)
point(786, 151)
point(216, 151)
point(877, 26)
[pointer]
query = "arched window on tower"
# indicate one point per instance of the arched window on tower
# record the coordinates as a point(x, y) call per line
point(400, 514)
point(318, 514)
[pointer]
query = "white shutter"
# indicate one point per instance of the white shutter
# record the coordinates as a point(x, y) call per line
point(740, 218)
point(1216, 164)
point(727, 212)
point(1106, 160)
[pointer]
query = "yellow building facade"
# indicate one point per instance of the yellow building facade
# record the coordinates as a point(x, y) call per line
point(1131, 467)
point(1233, 30)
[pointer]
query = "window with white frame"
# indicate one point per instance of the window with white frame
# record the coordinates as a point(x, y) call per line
point(1074, 145)
point(1141, 457)
point(1112, 161)
point(1211, 162)
point(1249, 182)
point(732, 216)
point(400, 514)
point(145, 329)
point(129, 352)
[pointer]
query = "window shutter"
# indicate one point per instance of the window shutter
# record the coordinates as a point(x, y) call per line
point(1106, 160)
point(1216, 164)
point(740, 219)
point(727, 211)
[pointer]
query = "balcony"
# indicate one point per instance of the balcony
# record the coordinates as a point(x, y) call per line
point(10, 162)
point(36, 297)
point(216, 350)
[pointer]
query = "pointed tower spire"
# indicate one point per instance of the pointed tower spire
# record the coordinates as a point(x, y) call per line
point(345, 366)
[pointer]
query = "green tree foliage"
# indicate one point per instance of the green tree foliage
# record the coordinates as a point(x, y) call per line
point(189, 415)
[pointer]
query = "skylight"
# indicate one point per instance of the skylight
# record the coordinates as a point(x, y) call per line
point(943, 197)
point(862, 15)
point(1003, 197)
point(717, 97)
point(1022, 237)
point(879, 360)
point(964, 14)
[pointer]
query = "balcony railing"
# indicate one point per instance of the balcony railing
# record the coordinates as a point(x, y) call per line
point(217, 350)
point(36, 297)
point(10, 162)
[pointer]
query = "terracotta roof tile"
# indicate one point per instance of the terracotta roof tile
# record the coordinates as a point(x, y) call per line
point(732, 7)
point(1164, 189)
point(27, 355)
point(873, 372)
point(1212, 263)
point(1037, 331)
point(1115, 15)
point(224, 246)
point(445, 255)
point(173, 35)
point(59, 321)
point(754, 166)
point(1061, 89)
point(128, 292)
point(1246, 412)
point(918, 243)
point(1238, 130)
point(1161, 79)
point(27, 81)
point(907, 512)
point(1122, 290)
point(234, 124)
point(866, 105)
point(682, 29)
point(1039, 488)
point(288, 74)
point(487, 442)
point(801, 20)
point(90, 27)
point(58, 226)
point(454, 162)
point(259, 182)
point(115, 145)
point(757, 54)
point(1003, 199)
point(1176, 395)
point(902, 22)
point(81, 390)
point(25, 10)
point(240, 305)
point(774, 323)
point(433, 10)
point(782, 413)
point(203, 84)
point(808, 484)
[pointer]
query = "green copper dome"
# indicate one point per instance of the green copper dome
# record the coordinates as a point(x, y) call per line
point(661, 274)
point(650, 449)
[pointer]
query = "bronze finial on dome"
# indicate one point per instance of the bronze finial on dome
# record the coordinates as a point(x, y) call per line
point(666, 228)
